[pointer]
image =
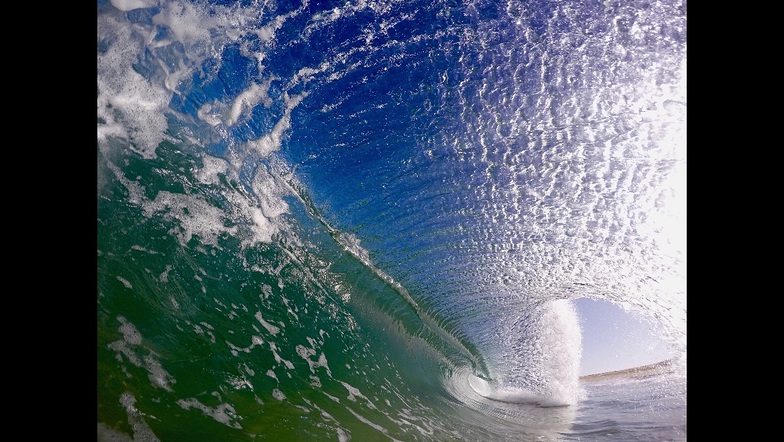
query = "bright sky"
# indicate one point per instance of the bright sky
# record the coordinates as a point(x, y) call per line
point(614, 339)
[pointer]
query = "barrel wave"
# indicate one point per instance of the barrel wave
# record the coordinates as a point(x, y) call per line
point(368, 220)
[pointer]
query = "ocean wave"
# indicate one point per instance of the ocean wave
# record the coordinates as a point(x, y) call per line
point(377, 215)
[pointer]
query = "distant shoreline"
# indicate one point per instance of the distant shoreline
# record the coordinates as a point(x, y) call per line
point(642, 371)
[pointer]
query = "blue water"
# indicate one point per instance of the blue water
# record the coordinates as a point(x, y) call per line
point(370, 220)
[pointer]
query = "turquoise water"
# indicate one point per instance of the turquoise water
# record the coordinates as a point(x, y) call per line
point(369, 221)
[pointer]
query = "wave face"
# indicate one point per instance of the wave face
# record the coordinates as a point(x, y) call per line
point(367, 220)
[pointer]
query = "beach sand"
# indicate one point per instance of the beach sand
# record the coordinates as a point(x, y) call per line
point(640, 372)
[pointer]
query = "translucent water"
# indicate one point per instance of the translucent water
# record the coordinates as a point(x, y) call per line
point(360, 220)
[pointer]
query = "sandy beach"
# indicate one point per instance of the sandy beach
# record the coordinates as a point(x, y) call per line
point(635, 372)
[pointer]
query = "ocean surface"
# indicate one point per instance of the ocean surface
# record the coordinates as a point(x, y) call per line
point(369, 220)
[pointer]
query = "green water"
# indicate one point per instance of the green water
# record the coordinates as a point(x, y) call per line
point(272, 341)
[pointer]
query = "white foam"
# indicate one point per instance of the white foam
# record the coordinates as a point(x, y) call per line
point(368, 422)
point(141, 431)
point(125, 282)
point(223, 413)
point(278, 359)
point(195, 214)
point(270, 328)
point(130, 5)
point(248, 99)
point(271, 141)
point(131, 346)
point(354, 393)
point(212, 168)
point(130, 106)
point(133, 107)
point(130, 334)
point(106, 434)
point(267, 33)
point(186, 21)
point(157, 374)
